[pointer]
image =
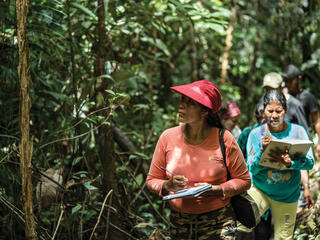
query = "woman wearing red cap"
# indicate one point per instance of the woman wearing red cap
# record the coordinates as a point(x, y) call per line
point(192, 156)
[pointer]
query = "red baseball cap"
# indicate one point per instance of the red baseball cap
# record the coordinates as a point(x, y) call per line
point(203, 92)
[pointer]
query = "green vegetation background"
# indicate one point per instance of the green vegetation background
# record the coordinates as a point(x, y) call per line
point(97, 130)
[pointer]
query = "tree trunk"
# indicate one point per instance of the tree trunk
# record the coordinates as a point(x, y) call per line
point(105, 138)
point(73, 74)
point(193, 55)
point(252, 80)
point(225, 61)
point(25, 146)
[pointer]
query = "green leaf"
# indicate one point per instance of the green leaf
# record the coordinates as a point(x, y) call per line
point(76, 209)
point(107, 76)
point(160, 44)
point(312, 225)
point(110, 91)
point(89, 186)
point(57, 96)
point(80, 174)
point(8, 136)
point(172, 18)
point(88, 215)
point(85, 10)
point(302, 226)
point(143, 156)
point(86, 24)
point(76, 160)
point(139, 179)
point(213, 26)
point(141, 106)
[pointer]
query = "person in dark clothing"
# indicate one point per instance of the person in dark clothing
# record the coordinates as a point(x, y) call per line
point(292, 77)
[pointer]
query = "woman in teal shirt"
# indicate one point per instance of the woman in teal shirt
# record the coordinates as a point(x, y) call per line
point(272, 188)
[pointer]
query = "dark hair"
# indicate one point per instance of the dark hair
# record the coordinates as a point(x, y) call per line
point(213, 119)
point(259, 109)
point(224, 107)
point(275, 96)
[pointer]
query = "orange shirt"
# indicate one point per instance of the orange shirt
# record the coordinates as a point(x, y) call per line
point(198, 163)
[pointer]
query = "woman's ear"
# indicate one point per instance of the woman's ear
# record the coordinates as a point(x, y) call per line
point(204, 113)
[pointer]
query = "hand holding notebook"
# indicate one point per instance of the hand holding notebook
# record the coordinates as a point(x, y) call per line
point(296, 148)
point(189, 192)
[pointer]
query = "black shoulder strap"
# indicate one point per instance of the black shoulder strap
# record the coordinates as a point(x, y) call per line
point(223, 150)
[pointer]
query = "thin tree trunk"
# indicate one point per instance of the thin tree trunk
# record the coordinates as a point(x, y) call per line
point(74, 80)
point(153, 62)
point(107, 156)
point(252, 79)
point(193, 56)
point(25, 146)
point(225, 58)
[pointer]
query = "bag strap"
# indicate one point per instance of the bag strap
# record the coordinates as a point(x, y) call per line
point(223, 150)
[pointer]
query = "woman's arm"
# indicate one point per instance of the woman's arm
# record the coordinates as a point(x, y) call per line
point(254, 151)
point(156, 176)
point(158, 180)
point(306, 162)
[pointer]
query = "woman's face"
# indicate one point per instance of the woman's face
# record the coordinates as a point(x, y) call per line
point(230, 123)
point(275, 113)
point(190, 111)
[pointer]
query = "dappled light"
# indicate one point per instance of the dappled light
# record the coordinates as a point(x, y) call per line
point(85, 97)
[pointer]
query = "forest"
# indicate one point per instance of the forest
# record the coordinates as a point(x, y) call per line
point(85, 96)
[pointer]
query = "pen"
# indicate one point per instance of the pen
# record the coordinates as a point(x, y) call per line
point(166, 170)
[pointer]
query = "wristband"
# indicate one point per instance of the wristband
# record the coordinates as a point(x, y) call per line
point(306, 185)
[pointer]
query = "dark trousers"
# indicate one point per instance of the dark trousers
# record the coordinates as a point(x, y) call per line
point(263, 230)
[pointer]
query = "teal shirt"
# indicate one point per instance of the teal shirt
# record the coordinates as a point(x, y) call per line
point(243, 139)
point(279, 185)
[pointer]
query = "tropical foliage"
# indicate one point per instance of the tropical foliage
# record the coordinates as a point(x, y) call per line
point(100, 98)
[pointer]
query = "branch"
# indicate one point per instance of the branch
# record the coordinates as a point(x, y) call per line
point(108, 219)
point(60, 217)
point(78, 136)
point(101, 210)
point(18, 213)
point(149, 200)
point(119, 229)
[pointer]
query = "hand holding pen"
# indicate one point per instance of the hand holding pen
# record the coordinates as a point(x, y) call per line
point(175, 183)
point(265, 142)
point(166, 170)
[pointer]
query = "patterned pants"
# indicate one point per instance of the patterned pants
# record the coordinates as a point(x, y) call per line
point(215, 225)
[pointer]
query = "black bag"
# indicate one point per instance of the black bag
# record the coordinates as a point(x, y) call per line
point(245, 208)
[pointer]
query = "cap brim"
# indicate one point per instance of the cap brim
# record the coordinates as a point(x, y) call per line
point(188, 90)
point(284, 76)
